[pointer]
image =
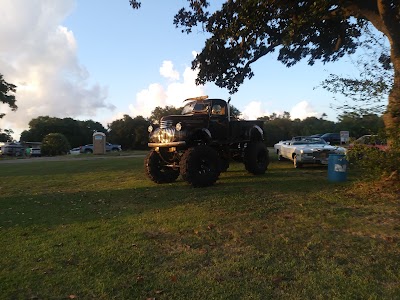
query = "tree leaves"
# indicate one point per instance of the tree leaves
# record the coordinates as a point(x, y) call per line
point(244, 31)
point(366, 92)
point(7, 91)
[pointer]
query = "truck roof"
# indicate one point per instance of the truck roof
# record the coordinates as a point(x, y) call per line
point(200, 98)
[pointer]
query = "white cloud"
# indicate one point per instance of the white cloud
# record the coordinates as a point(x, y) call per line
point(254, 110)
point(172, 94)
point(303, 110)
point(148, 99)
point(167, 70)
point(40, 58)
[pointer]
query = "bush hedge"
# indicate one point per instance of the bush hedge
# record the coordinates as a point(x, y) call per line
point(55, 144)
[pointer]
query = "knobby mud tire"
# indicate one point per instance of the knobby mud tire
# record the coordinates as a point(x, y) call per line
point(256, 159)
point(157, 171)
point(200, 166)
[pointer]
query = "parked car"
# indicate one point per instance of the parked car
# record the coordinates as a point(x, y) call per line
point(331, 138)
point(109, 147)
point(372, 141)
point(75, 151)
point(35, 151)
point(309, 151)
point(299, 137)
point(113, 147)
point(13, 149)
point(277, 147)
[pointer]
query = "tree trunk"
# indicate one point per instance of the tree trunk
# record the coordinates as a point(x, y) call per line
point(392, 114)
point(385, 18)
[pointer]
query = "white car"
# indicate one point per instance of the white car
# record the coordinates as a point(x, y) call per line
point(36, 152)
point(308, 151)
point(277, 147)
point(75, 151)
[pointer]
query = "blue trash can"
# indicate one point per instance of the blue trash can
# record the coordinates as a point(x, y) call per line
point(337, 168)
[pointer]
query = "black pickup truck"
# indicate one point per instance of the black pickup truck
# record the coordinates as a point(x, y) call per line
point(199, 143)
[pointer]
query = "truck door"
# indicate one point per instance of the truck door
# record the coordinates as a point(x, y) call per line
point(219, 126)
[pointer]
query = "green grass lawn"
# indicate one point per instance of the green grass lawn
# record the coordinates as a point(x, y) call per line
point(99, 229)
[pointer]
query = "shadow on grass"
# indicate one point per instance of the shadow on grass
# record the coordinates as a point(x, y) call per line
point(261, 237)
point(45, 168)
point(52, 209)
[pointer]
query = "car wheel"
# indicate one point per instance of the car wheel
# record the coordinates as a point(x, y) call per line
point(296, 163)
point(280, 157)
point(156, 169)
point(200, 166)
point(256, 159)
point(88, 151)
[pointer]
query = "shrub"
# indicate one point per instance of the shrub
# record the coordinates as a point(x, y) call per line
point(373, 162)
point(55, 144)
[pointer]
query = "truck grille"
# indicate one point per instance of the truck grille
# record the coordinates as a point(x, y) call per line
point(163, 135)
point(165, 124)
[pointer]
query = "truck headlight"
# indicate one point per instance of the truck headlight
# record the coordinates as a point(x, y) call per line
point(150, 129)
point(178, 127)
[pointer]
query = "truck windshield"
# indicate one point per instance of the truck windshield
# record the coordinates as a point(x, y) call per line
point(196, 107)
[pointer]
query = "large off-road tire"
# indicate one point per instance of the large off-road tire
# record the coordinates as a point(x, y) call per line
point(256, 159)
point(200, 166)
point(156, 169)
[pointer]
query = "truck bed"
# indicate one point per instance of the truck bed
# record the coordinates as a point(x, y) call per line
point(239, 130)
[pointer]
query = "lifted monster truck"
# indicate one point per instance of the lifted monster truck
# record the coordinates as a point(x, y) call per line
point(199, 143)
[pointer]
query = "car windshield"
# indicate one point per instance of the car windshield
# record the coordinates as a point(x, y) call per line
point(317, 141)
point(196, 107)
point(309, 141)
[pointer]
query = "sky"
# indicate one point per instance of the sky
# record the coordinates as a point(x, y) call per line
point(100, 60)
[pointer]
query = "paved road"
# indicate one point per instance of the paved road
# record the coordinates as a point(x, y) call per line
point(63, 158)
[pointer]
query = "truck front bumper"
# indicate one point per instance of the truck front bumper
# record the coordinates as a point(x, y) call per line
point(164, 145)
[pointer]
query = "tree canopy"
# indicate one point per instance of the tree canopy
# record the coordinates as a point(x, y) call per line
point(6, 135)
point(7, 91)
point(77, 132)
point(130, 133)
point(241, 32)
point(160, 112)
point(366, 92)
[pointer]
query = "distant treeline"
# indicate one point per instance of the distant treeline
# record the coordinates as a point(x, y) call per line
point(282, 127)
point(131, 133)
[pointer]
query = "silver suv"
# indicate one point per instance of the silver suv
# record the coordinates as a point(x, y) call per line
point(109, 147)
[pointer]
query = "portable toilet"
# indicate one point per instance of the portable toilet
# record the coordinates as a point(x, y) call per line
point(99, 143)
